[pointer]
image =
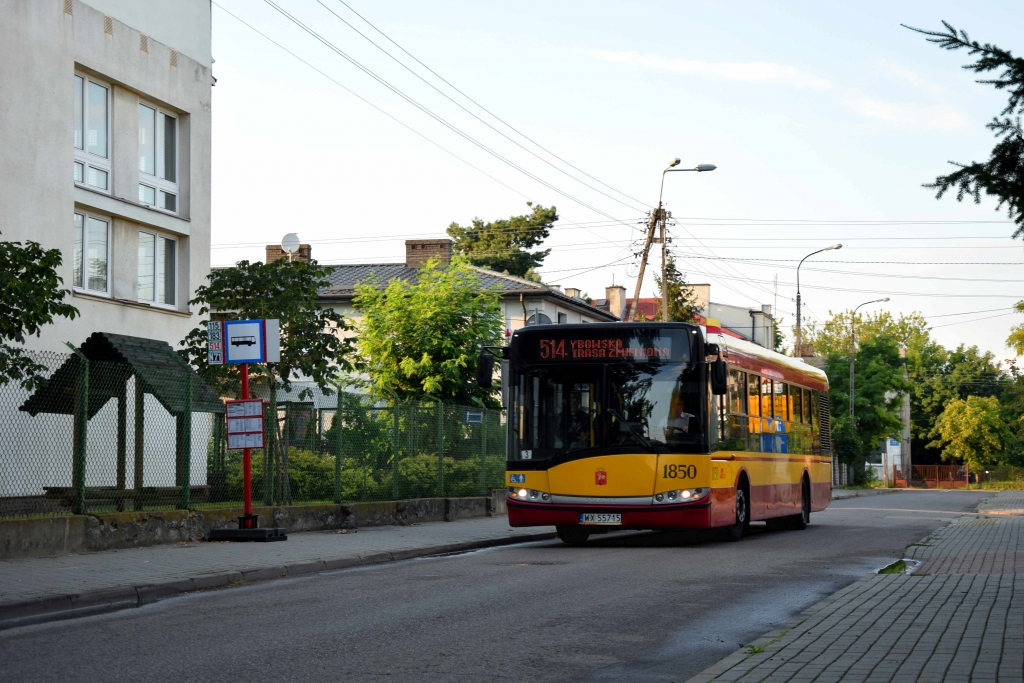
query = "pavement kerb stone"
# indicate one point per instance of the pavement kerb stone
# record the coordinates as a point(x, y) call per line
point(56, 608)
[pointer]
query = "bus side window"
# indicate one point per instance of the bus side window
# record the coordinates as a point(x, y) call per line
point(782, 401)
point(797, 401)
point(753, 410)
point(737, 382)
point(807, 406)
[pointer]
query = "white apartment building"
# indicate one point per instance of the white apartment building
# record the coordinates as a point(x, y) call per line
point(105, 123)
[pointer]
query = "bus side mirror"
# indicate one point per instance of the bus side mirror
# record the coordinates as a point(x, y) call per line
point(719, 377)
point(485, 370)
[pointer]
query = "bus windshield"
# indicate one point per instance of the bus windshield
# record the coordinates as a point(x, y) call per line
point(605, 408)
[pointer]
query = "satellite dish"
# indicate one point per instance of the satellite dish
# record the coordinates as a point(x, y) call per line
point(290, 243)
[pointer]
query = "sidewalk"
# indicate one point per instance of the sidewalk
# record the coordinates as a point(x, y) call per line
point(958, 617)
point(47, 588)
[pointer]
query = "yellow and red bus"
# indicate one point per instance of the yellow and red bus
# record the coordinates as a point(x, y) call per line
point(661, 426)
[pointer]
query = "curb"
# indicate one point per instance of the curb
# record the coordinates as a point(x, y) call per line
point(61, 607)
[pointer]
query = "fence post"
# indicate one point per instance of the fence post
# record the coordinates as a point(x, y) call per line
point(122, 440)
point(440, 449)
point(394, 450)
point(185, 444)
point(80, 435)
point(286, 438)
point(336, 424)
point(483, 454)
point(270, 445)
point(140, 443)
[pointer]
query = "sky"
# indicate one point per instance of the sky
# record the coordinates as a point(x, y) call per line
point(824, 120)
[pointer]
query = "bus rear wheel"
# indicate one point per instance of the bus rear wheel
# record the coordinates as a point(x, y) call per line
point(801, 521)
point(573, 535)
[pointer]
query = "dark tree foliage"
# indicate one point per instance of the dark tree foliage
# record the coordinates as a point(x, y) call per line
point(682, 301)
point(1002, 176)
point(502, 245)
point(878, 389)
point(32, 296)
point(313, 341)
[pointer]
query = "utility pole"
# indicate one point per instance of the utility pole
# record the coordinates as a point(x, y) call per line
point(651, 225)
point(659, 215)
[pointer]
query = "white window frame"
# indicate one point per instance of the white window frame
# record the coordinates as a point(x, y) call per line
point(155, 301)
point(84, 287)
point(83, 156)
point(154, 181)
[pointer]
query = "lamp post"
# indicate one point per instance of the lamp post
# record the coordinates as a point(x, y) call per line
point(853, 333)
point(796, 347)
point(655, 218)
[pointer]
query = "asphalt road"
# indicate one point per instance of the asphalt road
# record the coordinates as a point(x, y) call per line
point(626, 607)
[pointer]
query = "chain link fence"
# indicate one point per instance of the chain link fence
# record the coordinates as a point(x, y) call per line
point(108, 435)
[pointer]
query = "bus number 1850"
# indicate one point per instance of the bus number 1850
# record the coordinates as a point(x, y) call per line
point(679, 471)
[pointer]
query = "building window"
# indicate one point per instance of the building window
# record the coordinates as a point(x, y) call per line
point(91, 254)
point(92, 133)
point(158, 158)
point(157, 269)
point(563, 318)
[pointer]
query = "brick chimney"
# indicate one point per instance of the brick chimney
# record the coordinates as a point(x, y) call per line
point(418, 252)
point(275, 253)
point(616, 295)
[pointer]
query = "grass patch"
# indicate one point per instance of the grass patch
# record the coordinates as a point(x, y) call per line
point(897, 567)
point(754, 649)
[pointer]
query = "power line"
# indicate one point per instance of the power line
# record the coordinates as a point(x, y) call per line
point(436, 89)
point(363, 99)
point(496, 117)
point(961, 322)
point(430, 113)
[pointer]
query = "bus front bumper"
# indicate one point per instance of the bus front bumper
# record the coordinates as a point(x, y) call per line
point(696, 515)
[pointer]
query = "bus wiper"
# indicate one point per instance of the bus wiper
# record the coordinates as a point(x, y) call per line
point(640, 437)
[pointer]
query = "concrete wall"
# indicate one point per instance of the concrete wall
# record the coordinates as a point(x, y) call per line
point(184, 25)
point(40, 537)
point(42, 47)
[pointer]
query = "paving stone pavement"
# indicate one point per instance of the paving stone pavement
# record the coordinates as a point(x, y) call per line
point(958, 617)
point(51, 580)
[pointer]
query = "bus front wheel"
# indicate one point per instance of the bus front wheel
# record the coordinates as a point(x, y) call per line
point(573, 535)
point(735, 532)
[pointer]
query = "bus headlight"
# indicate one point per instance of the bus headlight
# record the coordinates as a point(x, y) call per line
point(680, 496)
point(528, 495)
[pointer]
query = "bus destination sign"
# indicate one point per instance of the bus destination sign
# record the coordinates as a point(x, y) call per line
point(612, 348)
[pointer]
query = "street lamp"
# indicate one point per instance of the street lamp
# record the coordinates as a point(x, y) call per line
point(796, 348)
point(659, 215)
point(853, 326)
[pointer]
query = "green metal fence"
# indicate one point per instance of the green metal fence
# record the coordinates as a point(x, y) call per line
point(104, 436)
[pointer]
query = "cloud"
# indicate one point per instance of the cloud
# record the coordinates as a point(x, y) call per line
point(766, 73)
point(905, 114)
point(898, 114)
point(912, 77)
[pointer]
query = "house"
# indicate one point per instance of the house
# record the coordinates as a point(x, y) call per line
point(740, 322)
point(523, 302)
point(106, 132)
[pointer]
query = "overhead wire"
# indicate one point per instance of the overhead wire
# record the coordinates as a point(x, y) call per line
point(366, 101)
point(495, 116)
point(460, 106)
point(455, 129)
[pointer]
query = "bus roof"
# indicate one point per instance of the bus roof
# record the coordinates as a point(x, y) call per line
point(755, 358)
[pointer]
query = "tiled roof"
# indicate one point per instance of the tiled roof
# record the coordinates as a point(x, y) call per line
point(346, 276)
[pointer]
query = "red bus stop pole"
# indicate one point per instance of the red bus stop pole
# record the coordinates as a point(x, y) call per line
point(246, 456)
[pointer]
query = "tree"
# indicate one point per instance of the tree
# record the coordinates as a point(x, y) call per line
point(1002, 176)
point(879, 386)
point(778, 337)
point(502, 245)
point(422, 340)
point(682, 300)
point(943, 377)
point(973, 432)
point(1016, 339)
point(312, 338)
point(32, 296)
point(909, 330)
